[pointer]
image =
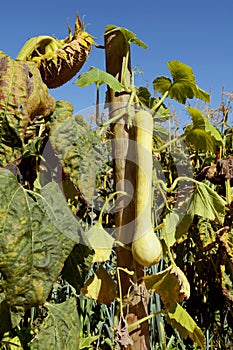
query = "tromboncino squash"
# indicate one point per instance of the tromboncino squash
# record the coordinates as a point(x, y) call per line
point(146, 247)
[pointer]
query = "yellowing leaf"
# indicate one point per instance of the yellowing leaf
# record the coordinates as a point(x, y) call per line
point(100, 287)
point(171, 284)
point(101, 241)
point(23, 97)
point(37, 233)
point(12, 343)
point(186, 326)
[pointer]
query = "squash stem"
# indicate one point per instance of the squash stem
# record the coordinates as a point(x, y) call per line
point(135, 324)
point(167, 244)
point(159, 103)
point(182, 137)
point(124, 71)
point(106, 203)
point(97, 106)
point(180, 178)
point(123, 245)
point(110, 121)
point(120, 287)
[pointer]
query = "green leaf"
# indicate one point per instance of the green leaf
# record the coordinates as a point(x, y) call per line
point(183, 77)
point(60, 329)
point(77, 266)
point(162, 114)
point(162, 84)
point(183, 85)
point(186, 326)
point(183, 226)
point(160, 134)
point(206, 203)
point(58, 210)
point(10, 316)
point(144, 96)
point(171, 284)
point(80, 152)
point(98, 77)
point(85, 343)
point(177, 225)
point(130, 37)
point(202, 134)
point(172, 220)
point(37, 233)
point(64, 111)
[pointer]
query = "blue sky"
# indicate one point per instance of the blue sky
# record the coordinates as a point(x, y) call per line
point(198, 33)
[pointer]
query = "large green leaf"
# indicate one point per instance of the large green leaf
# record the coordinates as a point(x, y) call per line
point(37, 234)
point(186, 326)
point(202, 134)
point(129, 36)
point(57, 209)
point(77, 266)
point(98, 77)
point(23, 98)
point(183, 85)
point(80, 152)
point(206, 203)
point(60, 329)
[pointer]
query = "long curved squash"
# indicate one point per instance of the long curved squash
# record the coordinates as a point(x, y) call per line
point(146, 247)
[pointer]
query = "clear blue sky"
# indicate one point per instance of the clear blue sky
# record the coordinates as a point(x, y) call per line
point(198, 33)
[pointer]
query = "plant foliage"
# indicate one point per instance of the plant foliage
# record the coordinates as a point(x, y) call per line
point(60, 283)
point(34, 246)
point(183, 86)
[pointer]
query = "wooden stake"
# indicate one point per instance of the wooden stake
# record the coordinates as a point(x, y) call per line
point(123, 151)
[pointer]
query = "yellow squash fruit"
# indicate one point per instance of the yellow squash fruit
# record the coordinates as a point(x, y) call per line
point(146, 247)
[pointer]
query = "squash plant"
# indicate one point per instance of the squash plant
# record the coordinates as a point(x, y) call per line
point(57, 229)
